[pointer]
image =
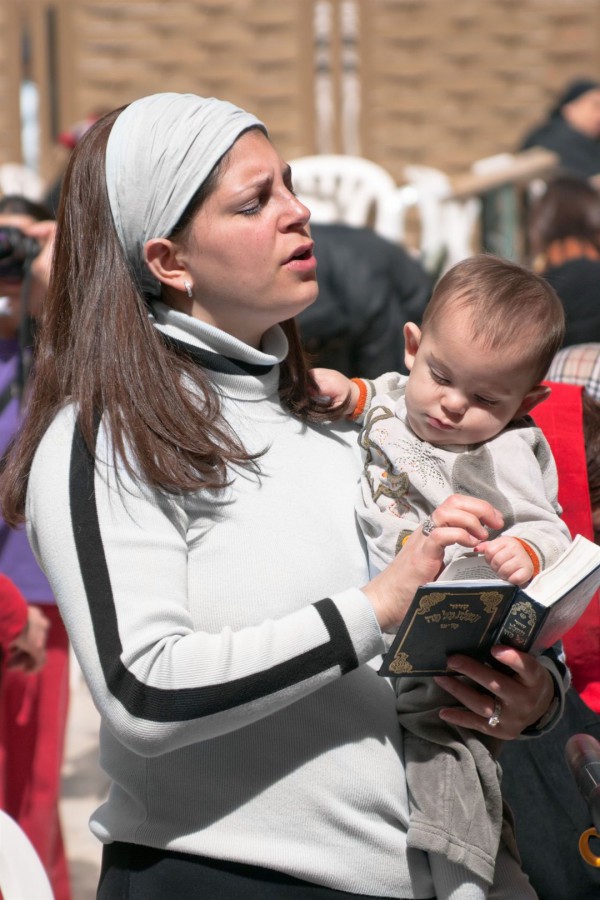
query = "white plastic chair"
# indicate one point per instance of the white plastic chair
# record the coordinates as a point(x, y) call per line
point(22, 876)
point(18, 179)
point(339, 188)
point(391, 220)
point(447, 226)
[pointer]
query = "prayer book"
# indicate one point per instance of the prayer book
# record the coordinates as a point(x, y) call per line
point(471, 610)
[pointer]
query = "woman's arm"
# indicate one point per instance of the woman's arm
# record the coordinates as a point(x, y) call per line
point(169, 658)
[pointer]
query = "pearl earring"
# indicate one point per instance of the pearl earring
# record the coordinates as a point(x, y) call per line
point(188, 288)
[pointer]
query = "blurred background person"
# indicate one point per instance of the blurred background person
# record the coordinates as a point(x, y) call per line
point(33, 705)
point(564, 237)
point(368, 289)
point(580, 365)
point(23, 630)
point(572, 129)
point(550, 813)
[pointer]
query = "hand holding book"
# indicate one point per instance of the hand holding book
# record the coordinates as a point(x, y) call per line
point(470, 610)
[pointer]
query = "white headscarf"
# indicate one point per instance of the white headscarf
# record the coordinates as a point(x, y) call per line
point(160, 150)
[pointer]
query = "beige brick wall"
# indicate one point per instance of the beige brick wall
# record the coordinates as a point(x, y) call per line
point(10, 140)
point(252, 52)
point(444, 82)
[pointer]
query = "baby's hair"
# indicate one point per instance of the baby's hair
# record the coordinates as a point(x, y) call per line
point(508, 305)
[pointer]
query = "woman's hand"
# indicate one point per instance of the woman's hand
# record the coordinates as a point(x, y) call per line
point(517, 701)
point(44, 232)
point(458, 520)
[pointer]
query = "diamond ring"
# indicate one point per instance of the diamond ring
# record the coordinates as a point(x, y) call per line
point(428, 526)
point(494, 719)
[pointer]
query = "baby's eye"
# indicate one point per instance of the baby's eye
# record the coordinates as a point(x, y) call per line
point(439, 379)
point(485, 401)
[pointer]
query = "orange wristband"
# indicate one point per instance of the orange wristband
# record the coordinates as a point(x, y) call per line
point(362, 398)
point(532, 556)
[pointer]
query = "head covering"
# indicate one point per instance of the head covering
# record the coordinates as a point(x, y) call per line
point(160, 151)
point(578, 364)
point(573, 91)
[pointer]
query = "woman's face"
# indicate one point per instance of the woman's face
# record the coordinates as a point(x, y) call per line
point(584, 113)
point(248, 251)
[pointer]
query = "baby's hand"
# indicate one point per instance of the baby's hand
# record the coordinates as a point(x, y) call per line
point(334, 389)
point(508, 558)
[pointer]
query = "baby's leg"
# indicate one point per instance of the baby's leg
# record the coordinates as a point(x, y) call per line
point(510, 881)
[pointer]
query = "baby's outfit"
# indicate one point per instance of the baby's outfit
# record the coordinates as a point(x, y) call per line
point(452, 775)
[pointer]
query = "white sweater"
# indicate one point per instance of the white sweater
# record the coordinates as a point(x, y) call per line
point(227, 643)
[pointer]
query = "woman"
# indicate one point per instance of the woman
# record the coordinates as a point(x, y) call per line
point(180, 496)
point(33, 704)
point(572, 129)
point(564, 234)
point(23, 631)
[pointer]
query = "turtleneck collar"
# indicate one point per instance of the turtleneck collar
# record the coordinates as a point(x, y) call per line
point(242, 371)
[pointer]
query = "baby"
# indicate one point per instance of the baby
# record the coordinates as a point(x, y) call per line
point(458, 423)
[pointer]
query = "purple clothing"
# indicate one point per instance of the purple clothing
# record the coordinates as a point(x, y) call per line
point(17, 561)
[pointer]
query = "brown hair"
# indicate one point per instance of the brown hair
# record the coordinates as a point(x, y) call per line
point(508, 305)
point(97, 349)
point(569, 208)
point(591, 431)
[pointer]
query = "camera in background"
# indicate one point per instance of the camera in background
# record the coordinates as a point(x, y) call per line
point(16, 250)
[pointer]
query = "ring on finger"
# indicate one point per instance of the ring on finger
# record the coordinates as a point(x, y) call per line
point(494, 719)
point(428, 526)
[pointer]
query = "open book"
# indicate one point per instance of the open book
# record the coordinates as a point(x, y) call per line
point(471, 614)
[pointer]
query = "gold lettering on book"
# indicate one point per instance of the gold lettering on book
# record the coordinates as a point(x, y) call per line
point(519, 624)
point(453, 615)
point(491, 600)
point(400, 663)
point(428, 601)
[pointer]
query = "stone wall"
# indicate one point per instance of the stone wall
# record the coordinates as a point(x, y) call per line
point(441, 83)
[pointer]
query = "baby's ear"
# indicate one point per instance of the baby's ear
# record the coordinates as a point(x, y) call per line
point(532, 398)
point(412, 339)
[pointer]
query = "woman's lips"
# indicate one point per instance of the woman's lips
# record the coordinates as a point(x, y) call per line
point(305, 262)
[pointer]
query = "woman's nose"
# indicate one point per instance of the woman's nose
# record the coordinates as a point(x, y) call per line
point(297, 211)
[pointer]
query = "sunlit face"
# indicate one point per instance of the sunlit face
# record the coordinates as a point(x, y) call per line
point(459, 392)
point(249, 253)
point(11, 287)
point(584, 113)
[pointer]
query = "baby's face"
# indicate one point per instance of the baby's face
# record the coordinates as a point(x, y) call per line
point(460, 392)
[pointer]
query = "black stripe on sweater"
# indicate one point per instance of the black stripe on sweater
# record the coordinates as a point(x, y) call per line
point(178, 704)
point(225, 365)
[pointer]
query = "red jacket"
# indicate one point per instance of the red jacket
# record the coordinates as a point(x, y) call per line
point(13, 612)
point(561, 419)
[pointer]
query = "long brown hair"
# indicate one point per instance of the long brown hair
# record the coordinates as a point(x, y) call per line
point(97, 349)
